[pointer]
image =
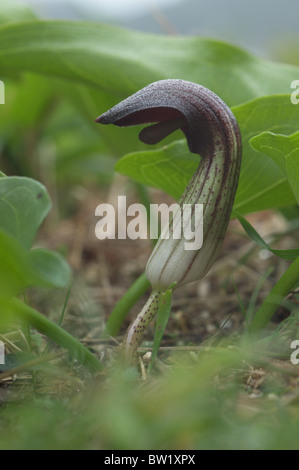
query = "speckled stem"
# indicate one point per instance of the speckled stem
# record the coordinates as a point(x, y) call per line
point(136, 329)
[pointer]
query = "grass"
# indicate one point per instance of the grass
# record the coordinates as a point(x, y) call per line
point(232, 393)
point(222, 397)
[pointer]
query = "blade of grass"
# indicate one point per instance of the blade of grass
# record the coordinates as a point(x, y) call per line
point(162, 320)
point(56, 334)
point(65, 304)
point(286, 283)
point(62, 313)
point(254, 296)
point(285, 254)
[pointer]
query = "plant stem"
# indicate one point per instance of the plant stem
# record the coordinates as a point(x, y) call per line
point(275, 297)
point(56, 334)
point(124, 305)
point(139, 325)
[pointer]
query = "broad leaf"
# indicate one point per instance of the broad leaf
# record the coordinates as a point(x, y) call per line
point(261, 185)
point(119, 61)
point(31, 103)
point(24, 203)
point(168, 168)
point(284, 151)
point(16, 272)
point(21, 268)
point(106, 64)
point(51, 267)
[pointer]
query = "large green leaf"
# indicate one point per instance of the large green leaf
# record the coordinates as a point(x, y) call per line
point(168, 168)
point(262, 185)
point(24, 203)
point(284, 151)
point(50, 268)
point(31, 103)
point(21, 268)
point(16, 271)
point(106, 64)
point(121, 61)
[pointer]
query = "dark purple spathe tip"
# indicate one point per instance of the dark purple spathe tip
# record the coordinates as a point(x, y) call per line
point(104, 118)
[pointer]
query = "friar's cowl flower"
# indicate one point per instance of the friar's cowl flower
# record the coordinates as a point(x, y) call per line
point(212, 132)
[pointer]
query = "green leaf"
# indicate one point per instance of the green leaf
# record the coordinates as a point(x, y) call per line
point(162, 320)
point(106, 64)
point(88, 102)
point(51, 267)
point(121, 61)
point(21, 268)
point(24, 203)
point(16, 271)
point(261, 185)
point(31, 103)
point(284, 151)
point(285, 254)
point(169, 168)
